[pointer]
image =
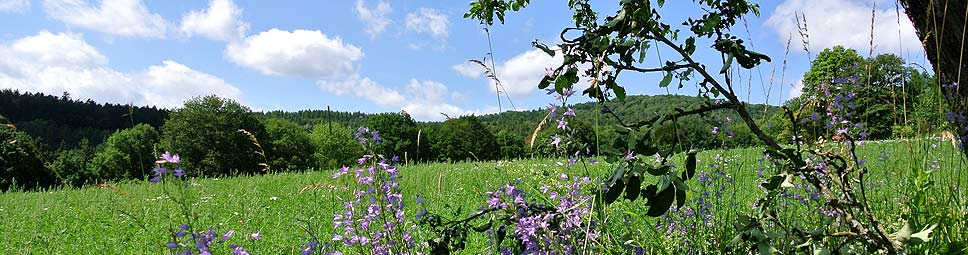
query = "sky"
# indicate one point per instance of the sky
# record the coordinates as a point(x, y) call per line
point(377, 55)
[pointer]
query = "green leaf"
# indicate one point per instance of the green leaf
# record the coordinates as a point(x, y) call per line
point(615, 21)
point(633, 187)
point(729, 61)
point(544, 82)
point(690, 165)
point(483, 227)
point(658, 171)
point(787, 181)
point(711, 23)
point(643, 146)
point(666, 80)
point(619, 93)
point(773, 182)
point(821, 251)
point(614, 191)
point(765, 248)
point(680, 197)
point(561, 83)
point(690, 45)
point(923, 235)
point(905, 234)
point(661, 202)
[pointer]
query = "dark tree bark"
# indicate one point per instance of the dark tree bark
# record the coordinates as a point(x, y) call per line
point(941, 25)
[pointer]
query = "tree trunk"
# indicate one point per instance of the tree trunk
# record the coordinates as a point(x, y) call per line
point(940, 25)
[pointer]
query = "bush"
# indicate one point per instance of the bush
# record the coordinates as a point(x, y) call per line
point(21, 165)
point(206, 133)
point(291, 147)
point(127, 154)
point(512, 145)
point(399, 133)
point(335, 146)
point(466, 138)
point(74, 165)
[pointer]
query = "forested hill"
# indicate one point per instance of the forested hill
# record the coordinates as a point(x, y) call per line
point(61, 120)
point(633, 109)
point(309, 118)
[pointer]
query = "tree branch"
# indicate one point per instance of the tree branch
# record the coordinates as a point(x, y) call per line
point(737, 104)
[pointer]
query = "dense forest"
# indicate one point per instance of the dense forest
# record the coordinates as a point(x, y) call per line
point(52, 140)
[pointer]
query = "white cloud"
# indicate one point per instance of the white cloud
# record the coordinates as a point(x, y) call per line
point(128, 18)
point(172, 83)
point(428, 21)
point(302, 53)
point(520, 75)
point(796, 89)
point(66, 50)
point(375, 19)
point(847, 23)
point(421, 99)
point(427, 99)
point(14, 5)
point(55, 63)
point(220, 22)
point(365, 88)
point(469, 69)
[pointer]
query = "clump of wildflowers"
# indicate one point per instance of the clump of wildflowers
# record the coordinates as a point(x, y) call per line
point(373, 219)
point(183, 239)
point(559, 224)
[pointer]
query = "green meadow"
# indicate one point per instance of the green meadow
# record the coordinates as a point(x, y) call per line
point(924, 178)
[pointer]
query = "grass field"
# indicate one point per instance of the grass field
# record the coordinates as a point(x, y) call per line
point(135, 217)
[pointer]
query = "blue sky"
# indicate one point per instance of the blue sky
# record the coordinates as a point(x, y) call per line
point(368, 55)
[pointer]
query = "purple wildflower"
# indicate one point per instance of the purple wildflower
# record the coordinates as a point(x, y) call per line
point(630, 156)
point(568, 92)
point(570, 112)
point(160, 170)
point(256, 236)
point(563, 124)
point(228, 234)
point(155, 179)
point(179, 172)
point(376, 137)
point(168, 157)
point(555, 140)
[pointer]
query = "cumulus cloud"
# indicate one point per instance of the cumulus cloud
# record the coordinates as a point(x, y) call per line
point(55, 63)
point(375, 19)
point(364, 88)
point(421, 99)
point(220, 22)
point(469, 69)
point(428, 21)
point(519, 75)
point(172, 83)
point(14, 5)
point(128, 18)
point(301, 53)
point(840, 22)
